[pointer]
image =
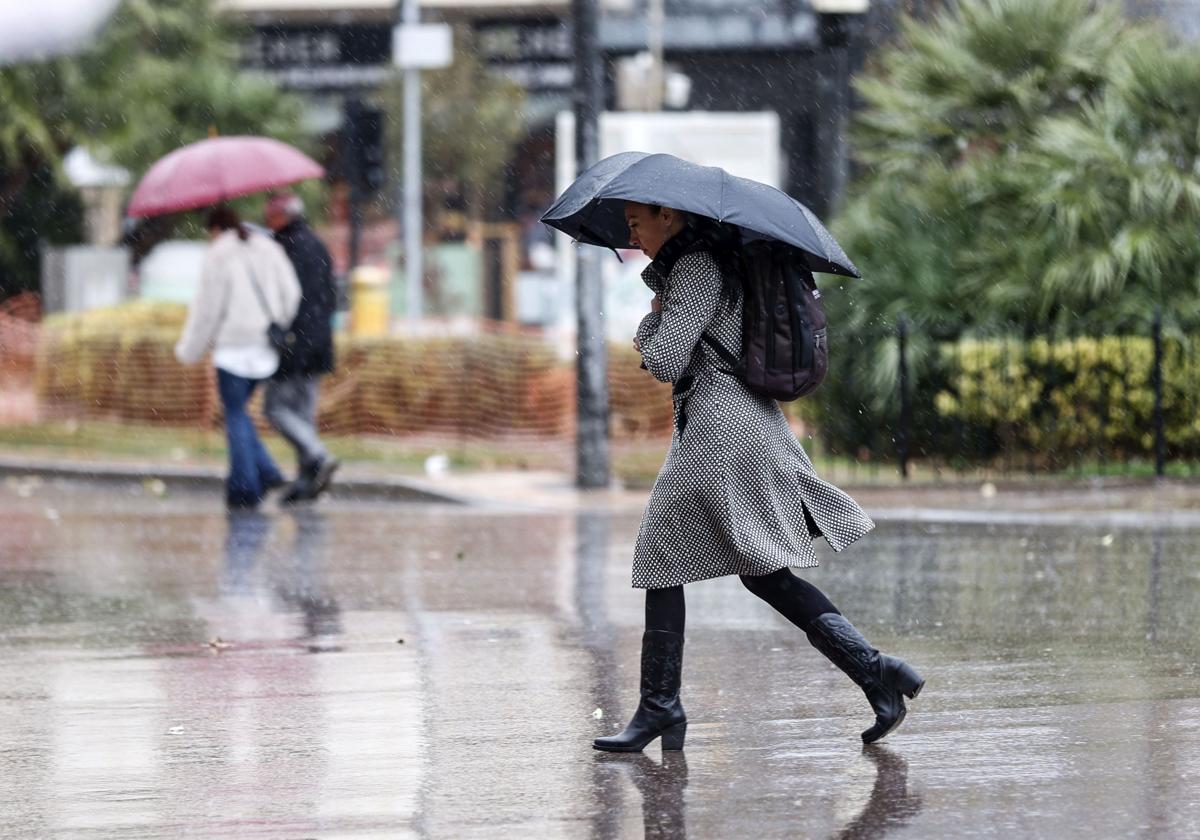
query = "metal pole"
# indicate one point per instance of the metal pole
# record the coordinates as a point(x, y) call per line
point(832, 109)
point(591, 371)
point(1160, 443)
point(656, 21)
point(413, 211)
point(352, 168)
point(905, 409)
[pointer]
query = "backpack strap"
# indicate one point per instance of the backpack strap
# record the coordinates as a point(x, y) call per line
point(727, 357)
point(262, 299)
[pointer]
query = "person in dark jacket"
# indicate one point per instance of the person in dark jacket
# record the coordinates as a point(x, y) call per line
point(291, 395)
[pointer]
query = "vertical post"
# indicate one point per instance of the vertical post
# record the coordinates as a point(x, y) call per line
point(655, 23)
point(413, 211)
point(832, 108)
point(352, 164)
point(591, 371)
point(1160, 444)
point(902, 428)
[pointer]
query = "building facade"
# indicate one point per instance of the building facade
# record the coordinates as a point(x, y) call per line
point(787, 56)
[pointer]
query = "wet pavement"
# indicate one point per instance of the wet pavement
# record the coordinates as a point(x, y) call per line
point(384, 670)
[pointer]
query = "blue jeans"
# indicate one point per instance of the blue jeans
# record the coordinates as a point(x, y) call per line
point(251, 470)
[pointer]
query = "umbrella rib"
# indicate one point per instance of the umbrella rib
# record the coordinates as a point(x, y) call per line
point(587, 231)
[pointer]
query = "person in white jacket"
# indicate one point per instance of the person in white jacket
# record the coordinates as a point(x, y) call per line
point(247, 284)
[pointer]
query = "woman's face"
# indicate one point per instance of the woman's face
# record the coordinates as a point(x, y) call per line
point(649, 230)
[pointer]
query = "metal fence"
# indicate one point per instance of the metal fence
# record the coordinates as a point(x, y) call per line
point(1065, 401)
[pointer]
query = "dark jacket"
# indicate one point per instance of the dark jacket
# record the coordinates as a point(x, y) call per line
point(313, 351)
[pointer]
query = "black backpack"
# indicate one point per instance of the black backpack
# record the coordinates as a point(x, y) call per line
point(785, 349)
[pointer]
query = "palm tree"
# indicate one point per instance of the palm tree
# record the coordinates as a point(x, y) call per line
point(1119, 190)
point(951, 151)
point(977, 80)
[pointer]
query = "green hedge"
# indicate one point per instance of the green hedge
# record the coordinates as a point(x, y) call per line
point(1047, 401)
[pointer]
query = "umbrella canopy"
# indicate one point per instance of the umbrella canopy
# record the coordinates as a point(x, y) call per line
point(592, 209)
point(217, 169)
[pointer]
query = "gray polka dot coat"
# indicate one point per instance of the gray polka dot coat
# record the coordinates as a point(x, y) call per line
point(737, 494)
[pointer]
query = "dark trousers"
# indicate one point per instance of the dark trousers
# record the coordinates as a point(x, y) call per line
point(794, 598)
point(291, 406)
point(251, 469)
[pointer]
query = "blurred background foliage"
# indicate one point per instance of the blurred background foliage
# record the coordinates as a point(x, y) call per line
point(470, 126)
point(162, 73)
point(1021, 166)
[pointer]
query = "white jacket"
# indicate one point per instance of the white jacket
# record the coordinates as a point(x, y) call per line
point(226, 312)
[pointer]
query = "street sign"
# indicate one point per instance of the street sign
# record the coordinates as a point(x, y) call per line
point(320, 56)
point(535, 53)
point(422, 46)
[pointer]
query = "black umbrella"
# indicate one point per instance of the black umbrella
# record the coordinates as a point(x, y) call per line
point(592, 209)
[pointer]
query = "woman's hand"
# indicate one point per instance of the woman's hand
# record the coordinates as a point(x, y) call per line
point(655, 306)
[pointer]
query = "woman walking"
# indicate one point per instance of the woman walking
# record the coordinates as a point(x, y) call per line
point(737, 494)
point(247, 284)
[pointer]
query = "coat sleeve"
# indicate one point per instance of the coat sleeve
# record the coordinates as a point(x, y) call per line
point(327, 294)
point(689, 301)
point(204, 313)
point(320, 293)
point(289, 285)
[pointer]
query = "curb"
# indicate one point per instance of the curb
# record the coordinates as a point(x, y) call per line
point(213, 480)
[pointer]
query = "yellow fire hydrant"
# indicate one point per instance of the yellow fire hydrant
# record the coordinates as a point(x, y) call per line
point(370, 311)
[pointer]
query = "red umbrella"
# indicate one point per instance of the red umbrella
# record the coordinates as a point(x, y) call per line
point(220, 168)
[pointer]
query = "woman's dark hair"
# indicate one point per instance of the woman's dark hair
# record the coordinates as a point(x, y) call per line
point(223, 218)
point(724, 242)
point(687, 217)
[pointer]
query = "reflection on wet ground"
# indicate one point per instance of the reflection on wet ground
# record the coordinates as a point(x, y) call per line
point(386, 671)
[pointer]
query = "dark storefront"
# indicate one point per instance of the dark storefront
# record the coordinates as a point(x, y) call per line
point(737, 55)
point(740, 55)
point(777, 55)
point(774, 55)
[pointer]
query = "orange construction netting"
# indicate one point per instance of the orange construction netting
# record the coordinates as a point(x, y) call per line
point(19, 332)
point(498, 381)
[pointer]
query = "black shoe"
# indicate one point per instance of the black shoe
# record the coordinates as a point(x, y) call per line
point(323, 474)
point(885, 679)
point(660, 713)
point(298, 491)
point(313, 481)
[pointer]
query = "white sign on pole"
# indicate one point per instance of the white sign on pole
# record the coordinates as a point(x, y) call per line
point(422, 46)
point(840, 7)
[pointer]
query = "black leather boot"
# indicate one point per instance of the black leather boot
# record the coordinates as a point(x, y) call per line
point(885, 679)
point(660, 712)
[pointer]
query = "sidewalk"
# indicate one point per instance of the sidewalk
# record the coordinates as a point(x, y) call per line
point(1119, 503)
point(350, 483)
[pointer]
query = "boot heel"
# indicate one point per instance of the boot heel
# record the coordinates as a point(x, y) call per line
point(907, 681)
point(672, 739)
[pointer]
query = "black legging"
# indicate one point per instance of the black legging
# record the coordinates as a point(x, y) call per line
point(794, 598)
